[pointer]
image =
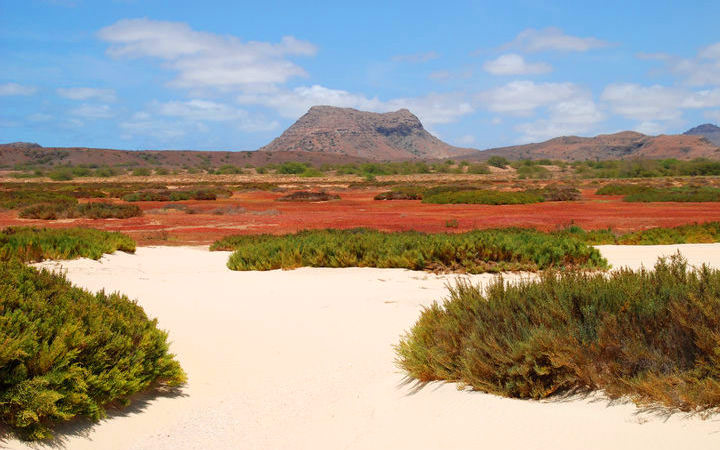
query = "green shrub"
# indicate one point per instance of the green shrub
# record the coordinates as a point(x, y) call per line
point(102, 210)
point(684, 234)
point(18, 198)
point(498, 161)
point(292, 168)
point(67, 352)
point(478, 168)
point(472, 252)
point(621, 189)
point(650, 336)
point(37, 244)
point(49, 211)
point(92, 210)
point(61, 174)
point(404, 192)
point(141, 172)
point(485, 197)
point(533, 171)
point(681, 194)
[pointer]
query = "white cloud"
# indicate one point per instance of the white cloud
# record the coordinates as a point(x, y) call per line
point(431, 109)
point(164, 130)
point(205, 59)
point(204, 110)
point(514, 64)
point(522, 98)
point(656, 103)
point(8, 89)
point(417, 57)
point(569, 117)
point(92, 111)
point(551, 38)
point(713, 115)
point(467, 139)
point(649, 128)
point(85, 93)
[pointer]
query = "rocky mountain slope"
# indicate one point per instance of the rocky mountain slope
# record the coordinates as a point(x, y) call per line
point(390, 136)
point(708, 131)
point(624, 145)
point(23, 153)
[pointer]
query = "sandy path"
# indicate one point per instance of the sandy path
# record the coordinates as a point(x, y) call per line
point(303, 359)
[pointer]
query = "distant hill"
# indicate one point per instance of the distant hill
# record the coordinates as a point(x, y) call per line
point(708, 131)
point(390, 136)
point(624, 145)
point(30, 153)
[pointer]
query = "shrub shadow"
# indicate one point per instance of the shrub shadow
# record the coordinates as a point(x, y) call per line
point(82, 426)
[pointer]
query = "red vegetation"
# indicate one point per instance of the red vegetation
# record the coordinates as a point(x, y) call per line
point(258, 212)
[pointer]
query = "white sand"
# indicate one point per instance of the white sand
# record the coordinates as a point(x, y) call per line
point(303, 359)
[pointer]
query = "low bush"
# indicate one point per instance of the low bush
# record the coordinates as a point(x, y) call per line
point(67, 352)
point(14, 198)
point(482, 196)
point(405, 192)
point(650, 336)
point(37, 244)
point(684, 234)
point(92, 210)
point(472, 252)
point(498, 161)
point(308, 196)
point(621, 189)
point(680, 194)
point(168, 195)
point(102, 210)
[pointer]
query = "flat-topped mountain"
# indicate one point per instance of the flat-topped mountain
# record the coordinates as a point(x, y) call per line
point(708, 131)
point(395, 135)
point(624, 145)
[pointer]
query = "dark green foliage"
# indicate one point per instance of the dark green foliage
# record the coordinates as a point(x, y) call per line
point(645, 193)
point(651, 336)
point(498, 161)
point(482, 196)
point(102, 210)
point(61, 174)
point(308, 196)
point(472, 252)
point(91, 210)
point(533, 171)
point(17, 198)
point(292, 168)
point(167, 195)
point(67, 352)
point(685, 234)
point(141, 172)
point(646, 168)
point(478, 168)
point(621, 189)
point(403, 192)
point(36, 244)
point(560, 193)
point(676, 194)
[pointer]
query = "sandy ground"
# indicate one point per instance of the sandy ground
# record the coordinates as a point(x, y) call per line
point(303, 359)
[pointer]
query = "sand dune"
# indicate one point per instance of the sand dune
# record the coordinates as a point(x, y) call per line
point(303, 359)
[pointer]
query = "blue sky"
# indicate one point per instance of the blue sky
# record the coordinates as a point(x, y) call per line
point(233, 75)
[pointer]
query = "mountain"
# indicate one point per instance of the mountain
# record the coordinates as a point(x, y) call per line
point(624, 145)
point(708, 131)
point(390, 136)
point(21, 153)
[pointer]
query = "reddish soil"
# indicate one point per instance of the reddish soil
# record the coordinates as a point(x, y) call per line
point(258, 212)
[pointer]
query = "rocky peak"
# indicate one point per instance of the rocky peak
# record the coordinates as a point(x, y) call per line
point(393, 135)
